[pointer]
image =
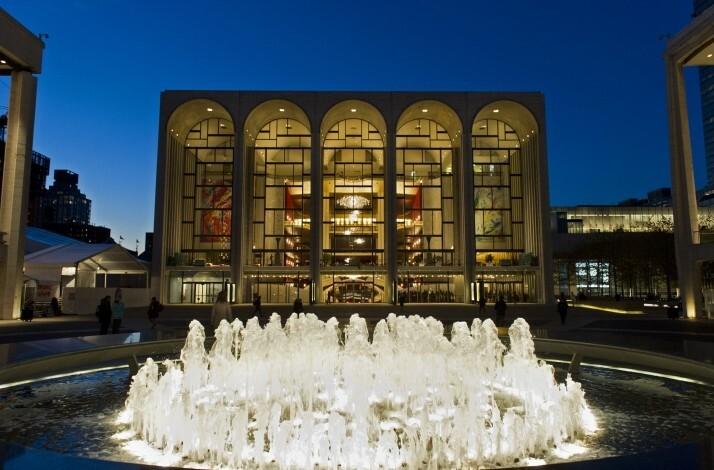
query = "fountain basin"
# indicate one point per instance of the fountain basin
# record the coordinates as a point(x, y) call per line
point(639, 413)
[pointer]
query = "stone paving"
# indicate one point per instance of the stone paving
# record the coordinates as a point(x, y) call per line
point(692, 338)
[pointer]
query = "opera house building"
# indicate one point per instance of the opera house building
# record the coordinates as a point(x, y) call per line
point(338, 197)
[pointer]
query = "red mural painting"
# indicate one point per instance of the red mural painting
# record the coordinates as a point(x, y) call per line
point(215, 219)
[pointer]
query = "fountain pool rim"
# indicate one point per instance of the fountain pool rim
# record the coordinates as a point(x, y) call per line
point(637, 360)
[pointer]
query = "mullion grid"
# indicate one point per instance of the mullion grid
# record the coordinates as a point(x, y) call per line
point(203, 143)
point(345, 140)
point(289, 174)
point(495, 146)
point(416, 167)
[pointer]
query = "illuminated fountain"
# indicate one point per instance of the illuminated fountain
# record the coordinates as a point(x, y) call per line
point(297, 397)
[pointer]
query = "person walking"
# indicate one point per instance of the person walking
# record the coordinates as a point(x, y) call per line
point(500, 307)
point(28, 311)
point(117, 314)
point(221, 310)
point(482, 305)
point(104, 314)
point(297, 305)
point(257, 310)
point(153, 312)
point(54, 305)
point(402, 299)
point(562, 308)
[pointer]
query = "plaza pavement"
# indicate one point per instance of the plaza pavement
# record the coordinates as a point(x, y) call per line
point(691, 338)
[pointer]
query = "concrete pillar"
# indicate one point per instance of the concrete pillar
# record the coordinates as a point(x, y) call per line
point(15, 188)
point(466, 224)
point(685, 201)
point(240, 250)
point(390, 216)
point(316, 216)
point(685, 49)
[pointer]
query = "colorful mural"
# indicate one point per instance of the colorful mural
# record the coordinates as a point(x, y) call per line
point(489, 222)
point(215, 219)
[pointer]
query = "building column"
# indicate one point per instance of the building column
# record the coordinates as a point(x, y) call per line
point(686, 231)
point(390, 217)
point(15, 189)
point(241, 204)
point(316, 215)
point(467, 228)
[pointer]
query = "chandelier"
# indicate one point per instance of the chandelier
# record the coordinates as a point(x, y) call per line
point(353, 202)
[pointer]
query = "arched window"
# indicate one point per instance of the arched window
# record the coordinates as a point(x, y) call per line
point(281, 195)
point(498, 193)
point(353, 195)
point(207, 193)
point(425, 195)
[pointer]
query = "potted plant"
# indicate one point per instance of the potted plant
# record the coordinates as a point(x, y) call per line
point(489, 259)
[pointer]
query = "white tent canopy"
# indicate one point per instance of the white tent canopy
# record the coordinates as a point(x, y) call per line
point(50, 264)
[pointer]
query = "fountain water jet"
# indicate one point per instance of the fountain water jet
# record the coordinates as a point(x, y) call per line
point(297, 397)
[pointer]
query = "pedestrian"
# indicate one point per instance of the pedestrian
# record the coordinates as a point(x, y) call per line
point(221, 310)
point(673, 309)
point(482, 305)
point(297, 305)
point(402, 299)
point(28, 311)
point(117, 313)
point(562, 308)
point(54, 305)
point(257, 310)
point(500, 307)
point(155, 308)
point(104, 314)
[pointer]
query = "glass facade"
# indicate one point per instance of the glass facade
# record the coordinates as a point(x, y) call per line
point(196, 287)
point(280, 218)
point(499, 213)
point(425, 212)
point(498, 194)
point(425, 195)
point(353, 212)
point(334, 208)
point(208, 193)
point(353, 195)
point(280, 222)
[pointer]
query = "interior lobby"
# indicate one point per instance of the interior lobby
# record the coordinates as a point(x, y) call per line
point(339, 197)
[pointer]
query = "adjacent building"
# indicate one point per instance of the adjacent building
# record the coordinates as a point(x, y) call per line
point(66, 204)
point(351, 197)
point(68, 211)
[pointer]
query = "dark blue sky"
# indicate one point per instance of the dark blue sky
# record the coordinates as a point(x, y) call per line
point(598, 63)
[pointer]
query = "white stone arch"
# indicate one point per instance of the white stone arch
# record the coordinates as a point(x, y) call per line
point(178, 131)
point(428, 140)
point(436, 111)
point(188, 114)
point(270, 110)
point(278, 141)
point(511, 199)
point(517, 116)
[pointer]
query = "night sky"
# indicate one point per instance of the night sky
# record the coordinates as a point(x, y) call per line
point(598, 63)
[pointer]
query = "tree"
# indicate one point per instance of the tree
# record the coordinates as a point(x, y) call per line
point(659, 243)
